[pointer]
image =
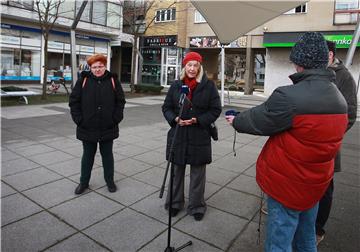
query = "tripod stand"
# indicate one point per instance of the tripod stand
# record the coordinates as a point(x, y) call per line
point(170, 160)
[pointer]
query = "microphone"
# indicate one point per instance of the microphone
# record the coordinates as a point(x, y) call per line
point(185, 90)
point(231, 112)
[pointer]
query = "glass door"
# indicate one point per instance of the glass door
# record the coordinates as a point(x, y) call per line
point(170, 65)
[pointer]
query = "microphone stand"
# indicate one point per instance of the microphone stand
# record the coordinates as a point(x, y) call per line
point(170, 160)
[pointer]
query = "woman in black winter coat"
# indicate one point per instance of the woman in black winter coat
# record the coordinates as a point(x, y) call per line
point(193, 143)
point(97, 104)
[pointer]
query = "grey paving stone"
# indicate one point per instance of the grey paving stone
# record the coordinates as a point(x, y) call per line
point(222, 148)
point(178, 239)
point(235, 202)
point(219, 176)
point(252, 149)
point(52, 193)
point(153, 176)
point(17, 165)
point(15, 207)
point(153, 206)
point(34, 233)
point(75, 151)
point(346, 192)
point(248, 240)
point(97, 178)
point(245, 184)
point(31, 178)
point(152, 144)
point(251, 171)
point(19, 141)
point(151, 157)
point(129, 191)
point(237, 164)
point(130, 150)
point(51, 157)
point(33, 150)
point(65, 143)
point(126, 231)
point(131, 166)
point(7, 155)
point(347, 179)
point(77, 243)
point(68, 168)
point(85, 210)
point(6, 190)
point(217, 227)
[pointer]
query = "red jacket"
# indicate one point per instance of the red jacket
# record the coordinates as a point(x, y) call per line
point(306, 123)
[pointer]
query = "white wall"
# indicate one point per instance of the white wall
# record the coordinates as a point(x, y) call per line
point(278, 68)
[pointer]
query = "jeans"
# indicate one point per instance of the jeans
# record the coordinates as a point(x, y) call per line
point(289, 229)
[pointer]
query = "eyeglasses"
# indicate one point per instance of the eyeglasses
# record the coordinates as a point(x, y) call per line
point(97, 67)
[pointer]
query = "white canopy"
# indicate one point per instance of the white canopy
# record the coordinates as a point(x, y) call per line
point(231, 19)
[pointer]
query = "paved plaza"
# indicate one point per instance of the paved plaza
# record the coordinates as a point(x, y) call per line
point(40, 169)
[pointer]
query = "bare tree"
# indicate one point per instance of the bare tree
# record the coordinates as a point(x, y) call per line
point(136, 22)
point(48, 13)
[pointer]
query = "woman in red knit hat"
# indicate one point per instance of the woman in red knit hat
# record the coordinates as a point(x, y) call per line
point(193, 142)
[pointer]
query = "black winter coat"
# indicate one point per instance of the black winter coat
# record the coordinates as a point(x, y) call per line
point(193, 143)
point(347, 86)
point(97, 108)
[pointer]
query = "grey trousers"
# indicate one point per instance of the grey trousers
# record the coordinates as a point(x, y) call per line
point(196, 190)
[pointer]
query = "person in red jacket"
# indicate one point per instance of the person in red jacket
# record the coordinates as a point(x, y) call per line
point(306, 123)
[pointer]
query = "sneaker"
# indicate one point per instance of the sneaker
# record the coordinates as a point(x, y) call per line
point(111, 187)
point(319, 238)
point(198, 216)
point(264, 210)
point(81, 188)
point(174, 212)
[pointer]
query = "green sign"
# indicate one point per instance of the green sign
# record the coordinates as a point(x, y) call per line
point(342, 41)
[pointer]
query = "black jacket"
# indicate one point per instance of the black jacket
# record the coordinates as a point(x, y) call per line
point(97, 108)
point(193, 143)
point(347, 86)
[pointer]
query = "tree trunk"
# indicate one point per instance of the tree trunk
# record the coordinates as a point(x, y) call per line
point(44, 87)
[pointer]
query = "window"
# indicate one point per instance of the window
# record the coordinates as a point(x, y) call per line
point(346, 11)
point(165, 15)
point(99, 12)
point(86, 15)
point(199, 18)
point(300, 9)
point(113, 15)
point(26, 4)
point(66, 9)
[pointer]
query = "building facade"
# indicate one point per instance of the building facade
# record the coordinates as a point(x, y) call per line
point(22, 43)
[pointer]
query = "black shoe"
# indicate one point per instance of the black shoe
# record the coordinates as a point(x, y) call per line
point(174, 212)
point(198, 216)
point(112, 187)
point(81, 188)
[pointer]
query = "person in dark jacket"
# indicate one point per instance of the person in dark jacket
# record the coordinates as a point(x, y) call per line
point(96, 105)
point(192, 144)
point(347, 86)
point(306, 123)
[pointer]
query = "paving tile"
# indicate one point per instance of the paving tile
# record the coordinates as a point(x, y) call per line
point(130, 150)
point(97, 178)
point(51, 157)
point(17, 165)
point(6, 190)
point(178, 239)
point(153, 176)
point(52, 193)
point(347, 179)
point(31, 178)
point(15, 207)
point(7, 155)
point(86, 209)
point(151, 157)
point(34, 149)
point(237, 164)
point(129, 191)
point(245, 184)
point(251, 171)
point(34, 233)
point(153, 206)
point(64, 143)
point(68, 168)
point(238, 203)
point(126, 231)
point(131, 166)
point(248, 240)
point(217, 227)
point(19, 141)
point(219, 176)
point(75, 151)
point(77, 243)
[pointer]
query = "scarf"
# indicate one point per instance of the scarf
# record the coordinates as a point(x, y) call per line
point(191, 83)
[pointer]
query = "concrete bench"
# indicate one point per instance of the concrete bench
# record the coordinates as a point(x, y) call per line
point(21, 94)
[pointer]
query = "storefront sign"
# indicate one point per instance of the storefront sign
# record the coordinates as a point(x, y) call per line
point(159, 41)
point(88, 49)
point(342, 41)
point(213, 42)
point(10, 40)
point(55, 45)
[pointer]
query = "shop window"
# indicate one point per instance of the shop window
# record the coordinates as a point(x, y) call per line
point(165, 15)
point(10, 64)
point(300, 9)
point(99, 12)
point(199, 18)
point(113, 15)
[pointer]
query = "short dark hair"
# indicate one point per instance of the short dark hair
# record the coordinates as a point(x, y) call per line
point(332, 46)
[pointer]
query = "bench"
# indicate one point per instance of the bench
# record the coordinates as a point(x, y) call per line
point(21, 94)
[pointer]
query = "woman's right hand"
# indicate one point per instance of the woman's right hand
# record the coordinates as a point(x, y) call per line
point(183, 122)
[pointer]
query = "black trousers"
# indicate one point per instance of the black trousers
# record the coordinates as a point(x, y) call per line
point(87, 161)
point(324, 209)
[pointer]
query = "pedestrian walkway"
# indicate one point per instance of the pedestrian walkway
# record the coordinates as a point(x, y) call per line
point(40, 169)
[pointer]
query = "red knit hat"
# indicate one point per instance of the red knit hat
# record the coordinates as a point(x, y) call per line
point(192, 56)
